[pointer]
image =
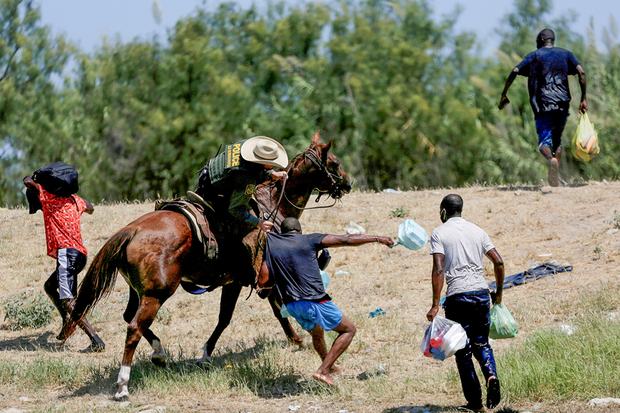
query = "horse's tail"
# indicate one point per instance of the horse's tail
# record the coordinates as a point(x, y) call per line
point(100, 277)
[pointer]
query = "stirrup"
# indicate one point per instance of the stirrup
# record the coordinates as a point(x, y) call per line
point(194, 197)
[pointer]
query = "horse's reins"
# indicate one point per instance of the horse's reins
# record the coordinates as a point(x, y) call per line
point(321, 168)
point(314, 159)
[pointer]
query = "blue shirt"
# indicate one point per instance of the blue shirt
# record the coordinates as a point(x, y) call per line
point(292, 261)
point(547, 70)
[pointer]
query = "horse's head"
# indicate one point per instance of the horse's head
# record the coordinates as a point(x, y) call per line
point(328, 177)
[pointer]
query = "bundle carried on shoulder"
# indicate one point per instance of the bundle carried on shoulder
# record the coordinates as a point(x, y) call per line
point(58, 178)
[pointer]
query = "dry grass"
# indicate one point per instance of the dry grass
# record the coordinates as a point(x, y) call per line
point(384, 369)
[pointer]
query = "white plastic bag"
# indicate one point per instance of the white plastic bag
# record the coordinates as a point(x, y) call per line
point(354, 228)
point(443, 338)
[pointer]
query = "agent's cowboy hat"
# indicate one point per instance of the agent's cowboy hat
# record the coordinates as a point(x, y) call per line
point(264, 150)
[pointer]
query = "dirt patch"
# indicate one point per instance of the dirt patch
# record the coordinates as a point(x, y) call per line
point(384, 369)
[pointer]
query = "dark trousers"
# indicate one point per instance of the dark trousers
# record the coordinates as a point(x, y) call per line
point(69, 263)
point(471, 310)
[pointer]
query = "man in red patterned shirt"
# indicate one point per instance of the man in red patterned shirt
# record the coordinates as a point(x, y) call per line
point(61, 215)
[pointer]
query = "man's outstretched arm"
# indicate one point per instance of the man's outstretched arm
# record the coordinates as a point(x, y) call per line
point(354, 240)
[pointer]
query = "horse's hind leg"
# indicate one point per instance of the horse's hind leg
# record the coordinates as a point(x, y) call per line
point(135, 330)
point(159, 356)
point(228, 301)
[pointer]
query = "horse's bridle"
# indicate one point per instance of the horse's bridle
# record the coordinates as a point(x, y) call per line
point(313, 157)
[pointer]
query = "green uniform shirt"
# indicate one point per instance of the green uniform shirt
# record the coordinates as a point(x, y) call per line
point(233, 175)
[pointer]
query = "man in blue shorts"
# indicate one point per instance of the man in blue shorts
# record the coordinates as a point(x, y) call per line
point(291, 261)
point(547, 70)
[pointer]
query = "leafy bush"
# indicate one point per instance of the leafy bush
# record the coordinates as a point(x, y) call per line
point(399, 212)
point(28, 310)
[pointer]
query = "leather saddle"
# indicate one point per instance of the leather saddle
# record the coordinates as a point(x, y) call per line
point(195, 214)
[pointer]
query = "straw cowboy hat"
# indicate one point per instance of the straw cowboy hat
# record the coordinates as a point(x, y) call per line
point(264, 150)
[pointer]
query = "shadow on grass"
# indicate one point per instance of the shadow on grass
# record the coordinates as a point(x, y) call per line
point(438, 409)
point(256, 369)
point(32, 342)
point(420, 409)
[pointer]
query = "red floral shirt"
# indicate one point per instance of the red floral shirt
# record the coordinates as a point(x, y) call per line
point(61, 215)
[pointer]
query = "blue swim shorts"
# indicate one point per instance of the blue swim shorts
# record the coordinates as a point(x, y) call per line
point(549, 126)
point(308, 314)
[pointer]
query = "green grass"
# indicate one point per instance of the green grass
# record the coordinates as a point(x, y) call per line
point(28, 310)
point(554, 366)
point(260, 369)
point(549, 366)
point(48, 373)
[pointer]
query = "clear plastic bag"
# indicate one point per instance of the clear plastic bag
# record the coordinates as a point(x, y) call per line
point(411, 235)
point(503, 324)
point(585, 140)
point(443, 338)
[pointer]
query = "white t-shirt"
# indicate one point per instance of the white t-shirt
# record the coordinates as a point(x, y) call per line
point(464, 245)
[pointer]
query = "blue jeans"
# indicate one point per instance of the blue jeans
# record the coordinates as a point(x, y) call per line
point(471, 310)
point(549, 126)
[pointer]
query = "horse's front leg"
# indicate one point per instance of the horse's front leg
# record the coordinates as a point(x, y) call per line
point(228, 302)
point(276, 305)
point(141, 322)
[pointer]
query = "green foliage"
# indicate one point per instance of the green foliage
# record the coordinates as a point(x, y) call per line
point(28, 311)
point(598, 251)
point(407, 100)
point(399, 212)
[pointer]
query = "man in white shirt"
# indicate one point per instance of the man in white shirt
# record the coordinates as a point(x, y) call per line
point(458, 248)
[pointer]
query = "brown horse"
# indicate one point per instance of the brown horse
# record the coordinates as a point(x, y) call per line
point(156, 252)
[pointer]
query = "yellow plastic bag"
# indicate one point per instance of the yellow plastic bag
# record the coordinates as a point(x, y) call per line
point(585, 140)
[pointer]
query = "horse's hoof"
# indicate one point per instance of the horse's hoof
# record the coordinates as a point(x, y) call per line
point(159, 361)
point(300, 344)
point(94, 348)
point(122, 395)
point(206, 360)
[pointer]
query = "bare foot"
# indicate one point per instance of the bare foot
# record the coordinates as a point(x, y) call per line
point(335, 370)
point(553, 176)
point(325, 378)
